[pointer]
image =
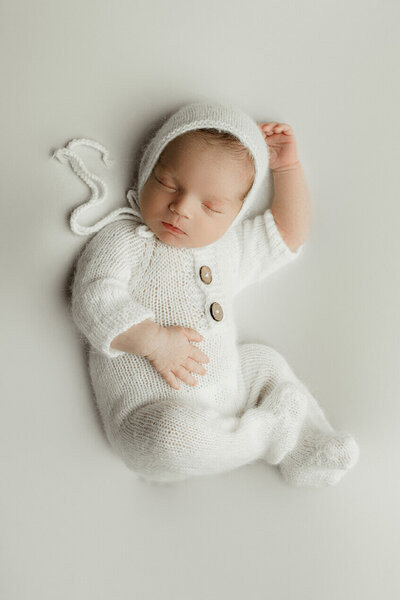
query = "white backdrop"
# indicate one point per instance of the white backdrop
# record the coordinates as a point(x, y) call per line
point(75, 522)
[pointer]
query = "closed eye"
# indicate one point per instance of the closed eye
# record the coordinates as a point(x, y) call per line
point(211, 210)
point(163, 184)
point(174, 190)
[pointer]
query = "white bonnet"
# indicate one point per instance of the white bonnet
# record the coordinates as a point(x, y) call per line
point(196, 115)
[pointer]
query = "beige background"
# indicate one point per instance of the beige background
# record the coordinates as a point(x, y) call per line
point(75, 523)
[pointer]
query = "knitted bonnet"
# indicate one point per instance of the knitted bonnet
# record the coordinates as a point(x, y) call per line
point(197, 115)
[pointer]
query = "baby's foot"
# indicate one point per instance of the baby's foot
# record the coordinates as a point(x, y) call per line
point(320, 459)
point(288, 403)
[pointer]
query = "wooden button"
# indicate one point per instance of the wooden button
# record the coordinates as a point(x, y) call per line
point(205, 274)
point(216, 311)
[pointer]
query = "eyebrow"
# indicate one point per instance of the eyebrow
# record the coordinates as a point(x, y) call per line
point(221, 201)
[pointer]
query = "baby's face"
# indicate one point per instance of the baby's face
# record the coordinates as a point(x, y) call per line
point(196, 187)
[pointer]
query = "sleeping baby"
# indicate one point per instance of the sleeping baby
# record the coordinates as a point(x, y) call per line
point(153, 292)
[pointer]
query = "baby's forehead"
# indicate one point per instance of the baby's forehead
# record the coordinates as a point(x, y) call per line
point(202, 140)
point(177, 150)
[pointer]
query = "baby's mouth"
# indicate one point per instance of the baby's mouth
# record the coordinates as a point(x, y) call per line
point(172, 227)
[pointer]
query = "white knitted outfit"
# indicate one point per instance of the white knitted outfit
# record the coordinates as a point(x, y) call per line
point(249, 405)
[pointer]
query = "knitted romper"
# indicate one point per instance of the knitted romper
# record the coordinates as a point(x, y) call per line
point(124, 276)
point(249, 405)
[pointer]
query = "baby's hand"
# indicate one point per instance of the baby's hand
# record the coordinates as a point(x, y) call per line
point(174, 356)
point(281, 145)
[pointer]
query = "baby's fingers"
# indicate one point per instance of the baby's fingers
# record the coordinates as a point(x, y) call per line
point(192, 335)
point(185, 376)
point(171, 379)
point(274, 128)
point(283, 128)
point(198, 355)
point(194, 367)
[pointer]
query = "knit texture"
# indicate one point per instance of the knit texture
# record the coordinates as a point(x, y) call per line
point(249, 405)
point(242, 409)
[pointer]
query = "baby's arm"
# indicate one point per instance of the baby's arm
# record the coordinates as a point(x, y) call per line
point(140, 339)
point(102, 304)
point(291, 203)
point(265, 243)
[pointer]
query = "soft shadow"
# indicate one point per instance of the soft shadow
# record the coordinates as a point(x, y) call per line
point(66, 293)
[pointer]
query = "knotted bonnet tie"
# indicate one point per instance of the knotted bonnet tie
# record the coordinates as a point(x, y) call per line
point(95, 183)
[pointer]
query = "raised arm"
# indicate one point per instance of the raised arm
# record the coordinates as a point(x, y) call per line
point(275, 238)
point(291, 205)
point(291, 202)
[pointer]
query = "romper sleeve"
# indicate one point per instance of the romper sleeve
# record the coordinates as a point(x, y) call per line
point(261, 249)
point(102, 305)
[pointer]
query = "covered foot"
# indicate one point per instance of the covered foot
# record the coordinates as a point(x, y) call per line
point(319, 459)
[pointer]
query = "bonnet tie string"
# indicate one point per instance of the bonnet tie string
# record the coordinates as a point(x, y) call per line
point(95, 183)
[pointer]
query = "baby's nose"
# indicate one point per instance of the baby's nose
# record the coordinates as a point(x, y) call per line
point(181, 207)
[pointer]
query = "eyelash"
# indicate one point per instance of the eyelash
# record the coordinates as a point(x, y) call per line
point(211, 210)
point(168, 188)
point(174, 190)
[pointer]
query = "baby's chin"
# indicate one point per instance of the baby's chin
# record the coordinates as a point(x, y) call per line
point(178, 241)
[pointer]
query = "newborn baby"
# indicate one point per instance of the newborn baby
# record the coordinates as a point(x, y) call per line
point(153, 291)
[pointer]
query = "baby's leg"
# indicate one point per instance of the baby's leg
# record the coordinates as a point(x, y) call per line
point(303, 443)
point(171, 440)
